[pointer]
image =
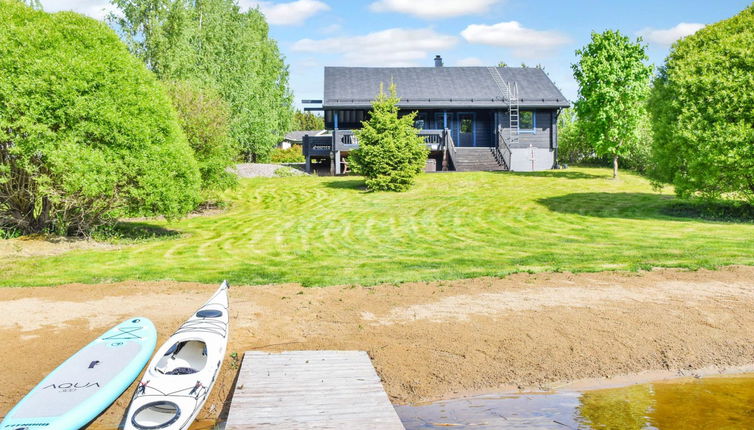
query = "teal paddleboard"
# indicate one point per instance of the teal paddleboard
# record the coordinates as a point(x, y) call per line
point(87, 383)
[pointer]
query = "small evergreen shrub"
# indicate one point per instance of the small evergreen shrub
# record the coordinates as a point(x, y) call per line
point(390, 153)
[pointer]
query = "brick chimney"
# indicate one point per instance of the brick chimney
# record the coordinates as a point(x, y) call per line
point(438, 61)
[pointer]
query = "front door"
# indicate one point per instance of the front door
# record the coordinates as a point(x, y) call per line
point(466, 135)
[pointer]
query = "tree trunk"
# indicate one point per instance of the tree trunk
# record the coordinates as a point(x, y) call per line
point(615, 167)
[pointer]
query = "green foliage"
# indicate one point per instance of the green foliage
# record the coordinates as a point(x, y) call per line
point(212, 41)
point(307, 121)
point(85, 129)
point(205, 119)
point(575, 148)
point(613, 86)
point(390, 153)
point(294, 154)
point(702, 104)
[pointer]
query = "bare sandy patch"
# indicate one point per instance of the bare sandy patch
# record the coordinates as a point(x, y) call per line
point(46, 246)
point(427, 340)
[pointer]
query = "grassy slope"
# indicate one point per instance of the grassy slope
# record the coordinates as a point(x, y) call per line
point(325, 231)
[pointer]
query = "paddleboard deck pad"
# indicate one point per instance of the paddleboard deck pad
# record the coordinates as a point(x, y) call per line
point(87, 383)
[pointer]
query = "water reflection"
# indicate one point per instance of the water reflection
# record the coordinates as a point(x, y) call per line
point(617, 409)
point(530, 411)
point(709, 403)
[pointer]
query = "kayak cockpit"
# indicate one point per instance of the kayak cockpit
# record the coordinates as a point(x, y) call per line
point(156, 415)
point(183, 358)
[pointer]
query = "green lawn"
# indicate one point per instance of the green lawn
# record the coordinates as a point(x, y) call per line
point(325, 231)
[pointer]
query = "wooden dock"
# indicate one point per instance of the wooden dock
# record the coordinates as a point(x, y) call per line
point(310, 390)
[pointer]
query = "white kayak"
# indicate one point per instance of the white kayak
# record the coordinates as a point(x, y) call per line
point(183, 371)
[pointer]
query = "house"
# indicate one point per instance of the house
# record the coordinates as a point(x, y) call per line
point(472, 118)
point(297, 138)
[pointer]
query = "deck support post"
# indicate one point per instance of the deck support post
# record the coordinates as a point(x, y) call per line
point(337, 162)
point(445, 150)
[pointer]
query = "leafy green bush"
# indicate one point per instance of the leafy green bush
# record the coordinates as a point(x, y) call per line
point(307, 121)
point(294, 154)
point(85, 129)
point(702, 104)
point(390, 153)
point(574, 148)
point(205, 119)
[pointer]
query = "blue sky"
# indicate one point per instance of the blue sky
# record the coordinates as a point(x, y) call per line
point(316, 33)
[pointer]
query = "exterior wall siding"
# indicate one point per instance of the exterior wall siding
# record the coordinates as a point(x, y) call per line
point(542, 136)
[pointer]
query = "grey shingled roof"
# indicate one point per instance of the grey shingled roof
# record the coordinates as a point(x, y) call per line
point(437, 87)
point(298, 136)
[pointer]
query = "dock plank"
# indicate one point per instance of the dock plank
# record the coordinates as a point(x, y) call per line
point(310, 390)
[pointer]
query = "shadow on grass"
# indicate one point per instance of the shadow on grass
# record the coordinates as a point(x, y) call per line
point(648, 206)
point(134, 231)
point(562, 174)
point(348, 184)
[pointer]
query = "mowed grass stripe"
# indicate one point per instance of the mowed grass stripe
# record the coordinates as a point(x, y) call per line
point(326, 231)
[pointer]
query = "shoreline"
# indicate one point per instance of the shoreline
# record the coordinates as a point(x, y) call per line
point(595, 384)
point(428, 340)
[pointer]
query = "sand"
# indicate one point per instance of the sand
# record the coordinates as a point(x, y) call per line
point(427, 340)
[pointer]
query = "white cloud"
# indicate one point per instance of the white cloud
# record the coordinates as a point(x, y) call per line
point(470, 61)
point(670, 35)
point(393, 47)
point(525, 42)
point(96, 9)
point(330, 29)
point(292, 13)
point(433, 9)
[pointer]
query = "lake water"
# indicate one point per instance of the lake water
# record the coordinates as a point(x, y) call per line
point(707, 403)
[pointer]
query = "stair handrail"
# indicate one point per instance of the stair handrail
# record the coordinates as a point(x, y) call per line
point(448, 149)
point(502, 151)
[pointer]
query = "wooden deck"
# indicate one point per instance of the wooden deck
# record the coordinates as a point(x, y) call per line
point(310, 390)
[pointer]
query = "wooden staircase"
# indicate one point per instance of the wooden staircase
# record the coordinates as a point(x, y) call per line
point(476, 159)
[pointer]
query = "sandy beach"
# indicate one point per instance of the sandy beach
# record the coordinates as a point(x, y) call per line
point(427, 340)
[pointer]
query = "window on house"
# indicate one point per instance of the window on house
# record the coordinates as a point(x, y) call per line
point(420, 121)
point(526, 121)
point(466, 124)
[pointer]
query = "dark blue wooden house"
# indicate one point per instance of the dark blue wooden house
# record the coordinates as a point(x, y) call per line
point(472, 118)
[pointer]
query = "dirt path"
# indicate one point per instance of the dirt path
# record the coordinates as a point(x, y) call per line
point(427, 340)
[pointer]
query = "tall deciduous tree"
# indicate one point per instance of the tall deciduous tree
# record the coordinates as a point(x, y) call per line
point(214, 42)
point(702, 109)
point(613, 86)
point(307, 121)
point(390, 154)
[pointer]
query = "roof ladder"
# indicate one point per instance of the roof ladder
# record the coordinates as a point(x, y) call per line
point(510, 94)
